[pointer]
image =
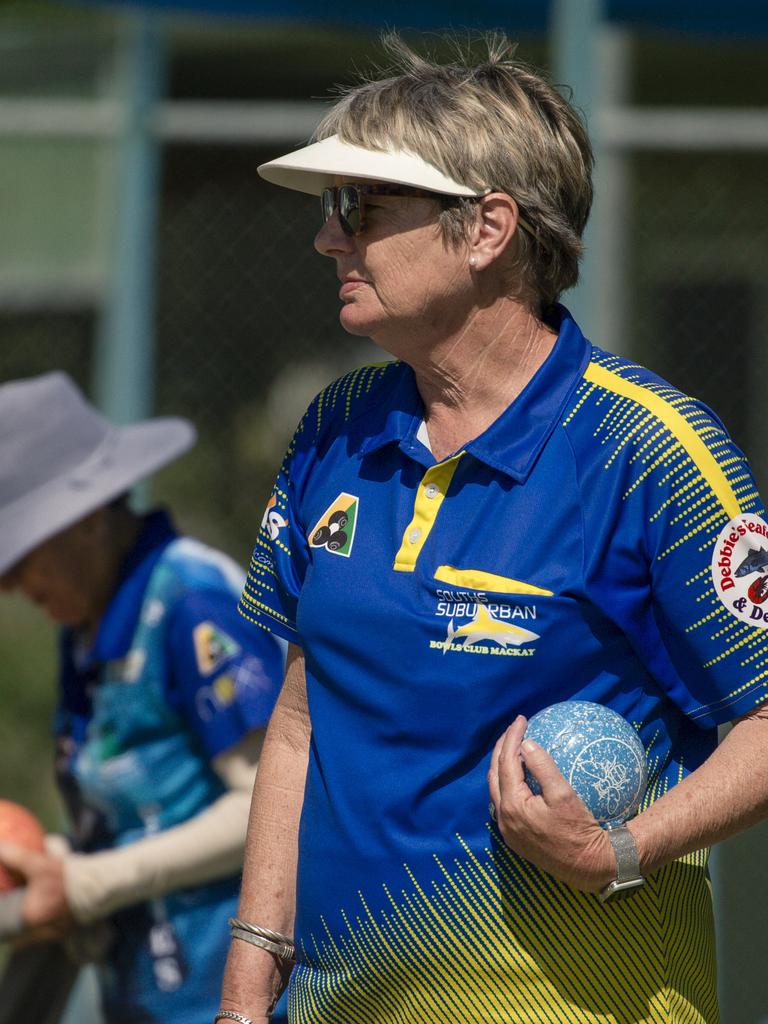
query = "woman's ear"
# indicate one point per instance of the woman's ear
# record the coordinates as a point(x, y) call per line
point(494, 228)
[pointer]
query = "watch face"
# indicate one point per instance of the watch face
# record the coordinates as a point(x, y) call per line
point(620, 890)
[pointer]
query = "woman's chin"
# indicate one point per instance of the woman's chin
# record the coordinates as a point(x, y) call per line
point(355, 321)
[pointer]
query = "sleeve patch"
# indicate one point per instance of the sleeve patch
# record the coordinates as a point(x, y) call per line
point(212, 647)
point(740, 569)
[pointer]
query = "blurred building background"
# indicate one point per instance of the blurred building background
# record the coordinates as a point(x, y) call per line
point(141, 253)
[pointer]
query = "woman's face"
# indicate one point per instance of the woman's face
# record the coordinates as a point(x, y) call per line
point(63, 576)
point(398, 275)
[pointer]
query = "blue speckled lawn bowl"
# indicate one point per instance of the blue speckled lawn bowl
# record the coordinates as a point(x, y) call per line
point(598, 752)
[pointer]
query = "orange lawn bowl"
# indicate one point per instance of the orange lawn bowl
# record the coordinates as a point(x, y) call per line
point(19, 826)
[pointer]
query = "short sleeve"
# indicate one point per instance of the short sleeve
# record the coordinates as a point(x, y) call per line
point(224, 678)
point(704, 528)
point(281, 553)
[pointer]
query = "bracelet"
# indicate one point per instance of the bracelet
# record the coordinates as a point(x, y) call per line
point(274, 942)
point(231, 1015)
point(283, 951)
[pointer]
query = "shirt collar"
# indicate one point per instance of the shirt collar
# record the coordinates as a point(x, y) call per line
point(513, 442)
point(397, 418)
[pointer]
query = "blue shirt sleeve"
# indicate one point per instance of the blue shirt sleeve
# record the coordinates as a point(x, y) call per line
point(665, 503)
point(224, 678)
point(712, 630)
point(281, 555)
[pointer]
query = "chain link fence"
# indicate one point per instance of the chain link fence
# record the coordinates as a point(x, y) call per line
point(696, 287)
point(247, 328)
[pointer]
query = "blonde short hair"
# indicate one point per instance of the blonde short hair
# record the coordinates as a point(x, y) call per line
point(495, 124)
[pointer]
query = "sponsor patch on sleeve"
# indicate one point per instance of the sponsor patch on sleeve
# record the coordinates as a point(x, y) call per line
point(740, 569)
point(273, 521)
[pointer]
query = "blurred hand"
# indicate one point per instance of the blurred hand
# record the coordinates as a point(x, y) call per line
point(11, 921)
point(554, 831)
point(45, 911)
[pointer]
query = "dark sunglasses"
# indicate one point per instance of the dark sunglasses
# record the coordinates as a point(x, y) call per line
point(349, 201)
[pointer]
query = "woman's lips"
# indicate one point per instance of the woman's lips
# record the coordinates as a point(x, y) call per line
point(349, 286)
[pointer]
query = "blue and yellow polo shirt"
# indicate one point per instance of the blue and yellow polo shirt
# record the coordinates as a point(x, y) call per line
point(173, 679)
point(593, 543)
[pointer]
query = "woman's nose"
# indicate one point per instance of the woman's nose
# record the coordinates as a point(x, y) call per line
point(330, 239)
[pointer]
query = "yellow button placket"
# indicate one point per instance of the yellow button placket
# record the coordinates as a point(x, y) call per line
point(429, 498)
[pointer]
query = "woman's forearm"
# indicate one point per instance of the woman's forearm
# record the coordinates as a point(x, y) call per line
point(555, 831)
point(203, 849)
point(726, 795)
point(253, 976)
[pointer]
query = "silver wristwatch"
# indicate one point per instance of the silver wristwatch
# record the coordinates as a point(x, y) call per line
point(628, 878)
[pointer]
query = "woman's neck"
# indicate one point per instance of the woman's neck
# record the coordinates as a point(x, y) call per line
point(468, 380)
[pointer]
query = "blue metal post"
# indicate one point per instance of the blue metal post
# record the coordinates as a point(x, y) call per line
point(124, 375)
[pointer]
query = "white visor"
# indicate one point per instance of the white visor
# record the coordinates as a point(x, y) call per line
point(320, 165)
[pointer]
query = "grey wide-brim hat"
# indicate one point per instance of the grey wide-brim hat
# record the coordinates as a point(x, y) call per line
point(60, 459)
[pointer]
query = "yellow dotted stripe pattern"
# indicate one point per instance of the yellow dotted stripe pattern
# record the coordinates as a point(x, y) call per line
point(496, 941)
point(677, 424)
point(429, 498)
point(347, 390)
point(260, 590)
point(674, 443)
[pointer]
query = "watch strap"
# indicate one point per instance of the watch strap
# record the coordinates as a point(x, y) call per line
point(627, 859)
point(628, 878)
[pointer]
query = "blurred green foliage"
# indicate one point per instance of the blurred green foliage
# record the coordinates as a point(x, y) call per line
point(27, 700)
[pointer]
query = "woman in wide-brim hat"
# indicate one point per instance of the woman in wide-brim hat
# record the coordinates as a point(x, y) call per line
point(163, 697)
point(508, 517)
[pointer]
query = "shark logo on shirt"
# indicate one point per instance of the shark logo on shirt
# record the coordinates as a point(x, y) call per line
point(483, 627)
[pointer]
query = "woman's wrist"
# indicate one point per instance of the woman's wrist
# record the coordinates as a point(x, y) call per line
point(254, 980)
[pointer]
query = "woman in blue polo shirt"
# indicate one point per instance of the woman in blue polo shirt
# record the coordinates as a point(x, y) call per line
point(505, 518)
point(162, 704)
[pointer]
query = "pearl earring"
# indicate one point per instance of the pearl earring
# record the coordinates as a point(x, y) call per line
point(473, 261)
